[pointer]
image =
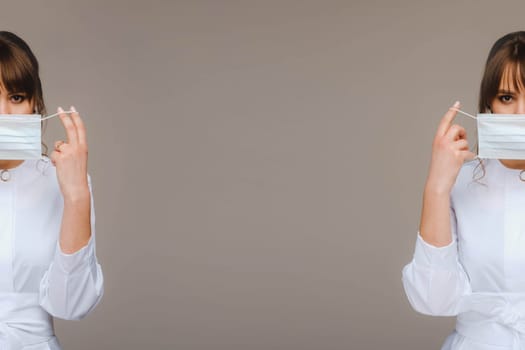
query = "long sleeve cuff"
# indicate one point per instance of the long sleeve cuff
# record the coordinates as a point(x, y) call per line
point(436, 257)
point(77, 261)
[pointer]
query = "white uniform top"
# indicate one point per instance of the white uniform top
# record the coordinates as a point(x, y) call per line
point(480, 275)
point(38, 280)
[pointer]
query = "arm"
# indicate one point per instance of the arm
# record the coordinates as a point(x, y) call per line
point(434, 281)
point(449, 152)
point(75, 231)
point(435, 219)
point(73, 284)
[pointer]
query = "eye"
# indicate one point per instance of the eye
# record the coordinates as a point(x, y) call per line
point(17, 98)
point(505, 98)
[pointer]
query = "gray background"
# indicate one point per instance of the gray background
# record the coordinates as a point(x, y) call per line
point(258, 165)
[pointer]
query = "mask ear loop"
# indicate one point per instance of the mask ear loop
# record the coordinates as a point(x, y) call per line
point(464, 113)
point(54, 115)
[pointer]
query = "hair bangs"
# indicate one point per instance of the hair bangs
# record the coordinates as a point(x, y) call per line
point(513, 77)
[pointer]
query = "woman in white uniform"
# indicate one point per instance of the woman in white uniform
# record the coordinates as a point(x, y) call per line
point(48, 265)
point(469, 258)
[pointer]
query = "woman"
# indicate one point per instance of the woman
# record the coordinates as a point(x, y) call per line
point(48, 265)
point(469, 258)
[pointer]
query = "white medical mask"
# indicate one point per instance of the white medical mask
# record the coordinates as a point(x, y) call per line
point(21, 136)
point(500, 136)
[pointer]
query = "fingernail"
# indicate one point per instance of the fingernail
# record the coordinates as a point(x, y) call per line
point(456, 104)
point(60, 110)
point(73, 109)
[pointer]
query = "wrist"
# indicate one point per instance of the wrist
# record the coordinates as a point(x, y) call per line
point(437, 186)
point(432, 189)
point(76, 196)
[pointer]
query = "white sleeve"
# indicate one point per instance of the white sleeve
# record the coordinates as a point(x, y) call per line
point(434, 281)
point(73, 284)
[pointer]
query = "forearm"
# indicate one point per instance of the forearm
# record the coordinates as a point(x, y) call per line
point(435, 217)
point(75, 231)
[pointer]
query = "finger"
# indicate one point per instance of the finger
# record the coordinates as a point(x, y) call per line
point(461, 144)
point(468, 155)
point(71, 130)
point(456, 132)
point(447, 119)
point(81, 129)
point(53, 157)
point(58, 144)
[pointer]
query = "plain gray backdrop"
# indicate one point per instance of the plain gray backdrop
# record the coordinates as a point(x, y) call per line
point(258, 166)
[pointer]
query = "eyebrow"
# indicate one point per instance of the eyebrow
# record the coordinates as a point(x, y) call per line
point(509, 92)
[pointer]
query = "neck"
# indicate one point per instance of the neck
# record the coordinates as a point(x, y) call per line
point(9, 164)
point(513, 164)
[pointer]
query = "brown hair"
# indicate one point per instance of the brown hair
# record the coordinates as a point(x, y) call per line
point(506, 59)
point(19, 71)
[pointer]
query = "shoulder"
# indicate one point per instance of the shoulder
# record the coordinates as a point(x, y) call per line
point(42, 170)
point(474, 175)
point(469, 172)
point(467, 169)
point(42, 167)
point(472, 167)
point(38, 173)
